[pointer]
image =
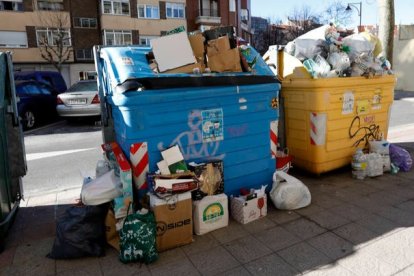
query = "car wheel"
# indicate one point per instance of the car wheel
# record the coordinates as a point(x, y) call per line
point(29, 119)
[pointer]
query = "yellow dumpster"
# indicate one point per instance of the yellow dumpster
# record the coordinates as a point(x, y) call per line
point(327, 119)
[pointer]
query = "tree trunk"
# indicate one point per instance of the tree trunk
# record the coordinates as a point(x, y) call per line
point(386, 27)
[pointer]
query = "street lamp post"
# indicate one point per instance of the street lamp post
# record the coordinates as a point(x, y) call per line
point(348, 8)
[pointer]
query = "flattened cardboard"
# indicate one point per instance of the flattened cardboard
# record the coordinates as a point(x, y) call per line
point(172, 51)
point(228, 61)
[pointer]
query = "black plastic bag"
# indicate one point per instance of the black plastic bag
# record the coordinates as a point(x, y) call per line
point(80, 232)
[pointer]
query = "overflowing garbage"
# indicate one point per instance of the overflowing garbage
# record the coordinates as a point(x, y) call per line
point(325, 54)
point(382, 157)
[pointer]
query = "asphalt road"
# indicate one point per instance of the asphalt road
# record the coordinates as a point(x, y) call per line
point(61, 154)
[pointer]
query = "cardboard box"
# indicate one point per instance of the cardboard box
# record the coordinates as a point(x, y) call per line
point(245, 211)
point(228, 61)
point(218, 46)
point(172, 51)
point(189, 69)
point(124, 169)
point(174, 218)
point(197, 44)
point(210, 213)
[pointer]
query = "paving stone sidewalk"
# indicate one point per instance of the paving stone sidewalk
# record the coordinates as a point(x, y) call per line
point(351, 228)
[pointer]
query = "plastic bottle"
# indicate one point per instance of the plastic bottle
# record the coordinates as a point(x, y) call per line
point(359, 164)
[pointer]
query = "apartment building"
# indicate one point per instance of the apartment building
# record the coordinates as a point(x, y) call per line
point(24, 24)
point(206, 14)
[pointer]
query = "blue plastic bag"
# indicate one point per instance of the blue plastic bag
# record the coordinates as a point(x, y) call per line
point(401, 158)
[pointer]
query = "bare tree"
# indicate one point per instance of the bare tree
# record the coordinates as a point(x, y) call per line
point(336, 13)
point(302, 20)
point(386, 27)
point(54, 39)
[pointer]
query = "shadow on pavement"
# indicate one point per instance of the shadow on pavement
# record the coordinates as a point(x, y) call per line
point(352, 227)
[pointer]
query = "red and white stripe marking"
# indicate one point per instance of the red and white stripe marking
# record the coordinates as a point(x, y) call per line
point(273, 138)
point(317, 128)
point(140, 164)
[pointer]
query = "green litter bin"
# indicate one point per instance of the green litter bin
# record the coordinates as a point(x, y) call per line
point(12, 154)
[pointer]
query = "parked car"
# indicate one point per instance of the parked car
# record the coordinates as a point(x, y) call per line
point(51, 78)
point(37, 102)
point(80, 100)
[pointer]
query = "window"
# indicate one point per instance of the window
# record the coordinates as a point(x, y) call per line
point(13, 39)
point(120, 7)
point(146, 40)
point(51, 5)
point(245, 15)
point(11, 5)
point(31, 89)
point(82, 22)
point(175, 10)
point(148, 11)
point(53, 37)
point(117, 37)
point(84, 54)
point(232, 5)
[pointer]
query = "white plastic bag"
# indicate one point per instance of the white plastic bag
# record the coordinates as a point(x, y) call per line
point(288, 192)
point(101, 189)
point(375, 165)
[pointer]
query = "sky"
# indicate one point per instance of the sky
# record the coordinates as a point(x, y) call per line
point(279, 9)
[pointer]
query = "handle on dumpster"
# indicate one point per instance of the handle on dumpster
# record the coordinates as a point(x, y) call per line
point(280, 62)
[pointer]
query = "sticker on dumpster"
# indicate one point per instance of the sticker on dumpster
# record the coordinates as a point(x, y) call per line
point(126, 61)
point(212, 126)
point(348, 103)
point(362, 106)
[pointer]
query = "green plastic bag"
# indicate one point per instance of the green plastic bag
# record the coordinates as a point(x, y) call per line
point(138, 239)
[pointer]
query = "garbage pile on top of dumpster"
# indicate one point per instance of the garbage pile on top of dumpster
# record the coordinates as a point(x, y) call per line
point(325, 54)
point(217, 50)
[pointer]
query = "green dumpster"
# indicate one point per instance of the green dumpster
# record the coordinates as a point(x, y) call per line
point(12, 155)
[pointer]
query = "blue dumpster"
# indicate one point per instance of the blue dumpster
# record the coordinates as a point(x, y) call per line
point(215, 116)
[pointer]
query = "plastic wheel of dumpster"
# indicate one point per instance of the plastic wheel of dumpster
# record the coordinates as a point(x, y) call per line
point(327, 119)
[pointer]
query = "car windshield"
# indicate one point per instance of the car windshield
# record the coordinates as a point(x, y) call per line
point(84, 86)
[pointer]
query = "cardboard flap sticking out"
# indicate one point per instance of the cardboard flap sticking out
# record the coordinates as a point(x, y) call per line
point(197, 44)
point(217, 46)
point(172, 51)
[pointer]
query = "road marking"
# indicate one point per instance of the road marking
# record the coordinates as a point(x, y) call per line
point(40, 155)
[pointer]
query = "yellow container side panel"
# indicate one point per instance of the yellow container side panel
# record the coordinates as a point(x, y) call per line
point(327, 119)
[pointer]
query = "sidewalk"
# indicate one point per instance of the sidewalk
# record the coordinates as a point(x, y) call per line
point(351, 228)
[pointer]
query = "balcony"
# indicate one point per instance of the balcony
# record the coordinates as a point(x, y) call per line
point(207, 17)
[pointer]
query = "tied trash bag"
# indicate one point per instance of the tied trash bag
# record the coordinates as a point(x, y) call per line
point(400, 158)
point(288, 192)
point(80, 232)
point(138, 238)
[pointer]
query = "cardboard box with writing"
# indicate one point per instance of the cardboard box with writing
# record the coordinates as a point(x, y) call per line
point(245, 211)
point(210, 213)
point(174, 218)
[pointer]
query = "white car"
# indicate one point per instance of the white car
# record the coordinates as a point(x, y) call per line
point(80, 100)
